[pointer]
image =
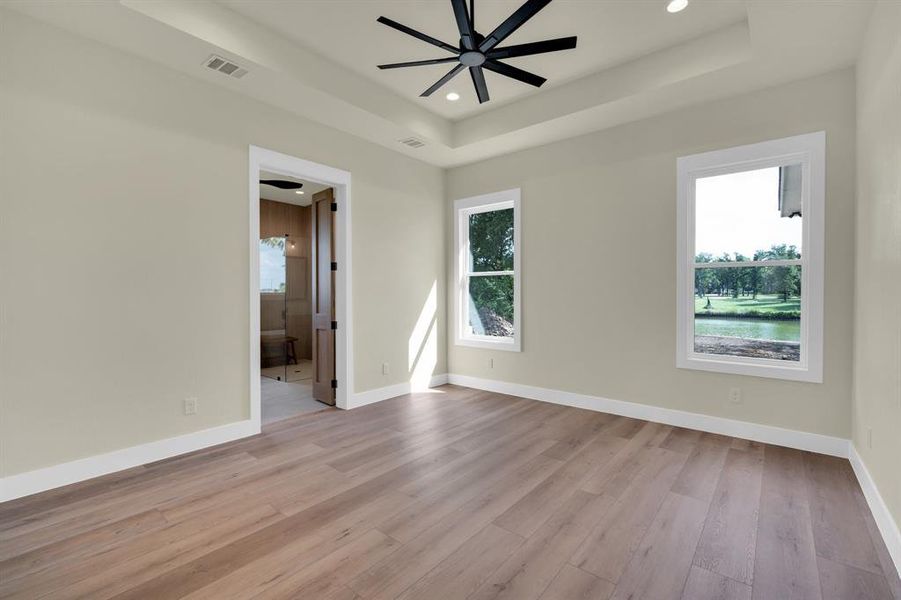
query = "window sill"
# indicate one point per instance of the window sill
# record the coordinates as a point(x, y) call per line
point(750, 367)
point(490, 343)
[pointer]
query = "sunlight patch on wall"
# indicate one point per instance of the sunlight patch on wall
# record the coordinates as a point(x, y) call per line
point(422, 348)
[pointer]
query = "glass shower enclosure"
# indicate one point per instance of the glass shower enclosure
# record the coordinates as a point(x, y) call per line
point(282, 297)
point(274, 343)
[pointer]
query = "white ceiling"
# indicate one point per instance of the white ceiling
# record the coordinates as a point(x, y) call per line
point(309, 188)
point(610, 32)
point(317, 59)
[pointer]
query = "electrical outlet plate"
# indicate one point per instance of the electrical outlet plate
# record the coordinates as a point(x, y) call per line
point(385, 368)
point(190, 406)
point(735, 395)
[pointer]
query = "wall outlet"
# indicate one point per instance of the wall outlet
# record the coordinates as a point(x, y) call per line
point(869, 437)
point(490, 363)
point(735, 395)
point(385, 368)
point(190, 406)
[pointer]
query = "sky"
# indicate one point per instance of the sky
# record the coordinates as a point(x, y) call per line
point(272, 267)
point(739, 212)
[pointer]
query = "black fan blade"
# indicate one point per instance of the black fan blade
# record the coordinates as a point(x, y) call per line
point(467, 35)
point(419, 63)
point(450, 75)
point(513, 22)
point(478, 80)
point(418, 35)
point(513, 73)
point(282, 184)
point(567, 43)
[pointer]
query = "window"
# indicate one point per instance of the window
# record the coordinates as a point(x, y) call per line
point(750, 259)
point(272, 265)
point(486, 238)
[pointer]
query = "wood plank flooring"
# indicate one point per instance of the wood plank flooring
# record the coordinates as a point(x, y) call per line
point(457, 494)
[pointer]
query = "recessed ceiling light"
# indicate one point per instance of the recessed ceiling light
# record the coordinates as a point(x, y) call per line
point(453, 96)
point(299, 192)
point(675, 6)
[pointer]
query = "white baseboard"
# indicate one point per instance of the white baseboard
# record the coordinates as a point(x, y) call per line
point(801, 440)
point(39, 480)
point(32, 482)
point(789, 438)
point(881, 514)
point(392, 391)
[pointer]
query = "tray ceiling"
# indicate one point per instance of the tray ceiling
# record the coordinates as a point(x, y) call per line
point(610, 33)
point(317, 59)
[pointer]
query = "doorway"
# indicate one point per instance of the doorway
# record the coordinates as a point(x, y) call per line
point(291, 363)
point(299, 267)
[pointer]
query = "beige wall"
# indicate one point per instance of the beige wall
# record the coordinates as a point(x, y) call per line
point(123, 184)
point(877, 314)
point(124, 247)
point(599, 242)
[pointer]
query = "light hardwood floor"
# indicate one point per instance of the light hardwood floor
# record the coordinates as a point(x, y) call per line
point(453, 495)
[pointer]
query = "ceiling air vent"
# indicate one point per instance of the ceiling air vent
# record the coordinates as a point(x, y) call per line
point(223, 65)
point(413, 142)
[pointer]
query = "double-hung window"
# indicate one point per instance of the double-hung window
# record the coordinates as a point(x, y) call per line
point(486, 271)
point(750, 259)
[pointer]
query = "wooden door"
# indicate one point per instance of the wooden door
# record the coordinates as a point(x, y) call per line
point(323, 281)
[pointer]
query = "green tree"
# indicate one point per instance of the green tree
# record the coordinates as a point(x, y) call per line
point(784, 280)
point(705, 279)
point(728, 277)
point(491, 249)
point(744, 277)
point(274, 242)
point(491, 240)
point(754, 281)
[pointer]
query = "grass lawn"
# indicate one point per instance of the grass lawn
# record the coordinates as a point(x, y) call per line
point(764, 306)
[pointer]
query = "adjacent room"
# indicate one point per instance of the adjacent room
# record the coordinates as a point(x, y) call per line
point(290, 248)
point(450, 299)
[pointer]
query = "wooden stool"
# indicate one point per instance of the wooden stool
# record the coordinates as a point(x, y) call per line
point(286, 340)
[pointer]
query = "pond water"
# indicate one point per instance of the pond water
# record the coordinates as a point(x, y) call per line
point(757, 329)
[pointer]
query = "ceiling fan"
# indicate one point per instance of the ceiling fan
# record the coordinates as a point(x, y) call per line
point(282, 184)
point(477, 51)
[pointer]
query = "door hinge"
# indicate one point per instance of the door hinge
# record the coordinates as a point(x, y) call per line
point(334, 324)
point(334, 384)
point(334, 266)
point(334, 207)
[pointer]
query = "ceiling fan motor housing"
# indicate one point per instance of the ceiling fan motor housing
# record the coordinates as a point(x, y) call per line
point(472, 58)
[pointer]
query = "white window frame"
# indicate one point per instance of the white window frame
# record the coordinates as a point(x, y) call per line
point(463, 208)
point(810, 151)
